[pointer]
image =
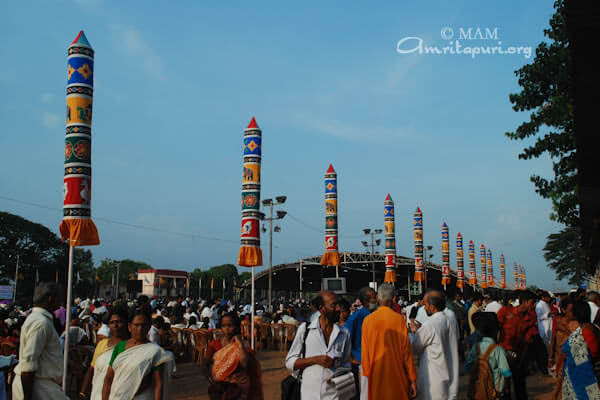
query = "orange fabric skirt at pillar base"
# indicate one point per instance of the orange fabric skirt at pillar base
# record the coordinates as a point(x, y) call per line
point(446, 281)
point(460, 284)
point(419, 276)
point(472, 281)
point(330, 258)
point(79, 231)
point(250, 256)
point(390, 277)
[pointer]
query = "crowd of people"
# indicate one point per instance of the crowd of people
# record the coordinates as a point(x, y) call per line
point(397, 350)
point(378, 347)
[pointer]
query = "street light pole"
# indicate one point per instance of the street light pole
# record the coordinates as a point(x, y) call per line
point(16, 280)
point(280, 214)
point(270, 255)
point(374, 242)
point(118, 269)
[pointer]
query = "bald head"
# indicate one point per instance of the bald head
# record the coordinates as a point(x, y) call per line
point(435, 300)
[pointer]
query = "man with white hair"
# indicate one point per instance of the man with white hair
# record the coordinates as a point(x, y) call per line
point(386, 353)
point(40, 367)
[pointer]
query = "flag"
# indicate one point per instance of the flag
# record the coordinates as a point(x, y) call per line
point(223, 283)
point(77, 224)
point(161, 280)
point(390, 240)
point(445, 255)
point(331, 257)
point(250, 254)
point(98, 278)
point(418, 238)
point(212, 283)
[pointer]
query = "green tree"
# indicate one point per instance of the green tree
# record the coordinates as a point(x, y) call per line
point(564, 254)
point(216, 275)
point(245, 276)
point(546, 95)
point(127, 268)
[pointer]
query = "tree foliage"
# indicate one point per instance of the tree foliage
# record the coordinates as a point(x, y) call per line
point(546, 94)
point(564, 254)
point(40, 252)
point(216, 275)
point(127, 268)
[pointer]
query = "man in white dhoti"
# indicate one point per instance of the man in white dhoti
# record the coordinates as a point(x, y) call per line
point(39, 372)
point(433, 345)
point(544, 318)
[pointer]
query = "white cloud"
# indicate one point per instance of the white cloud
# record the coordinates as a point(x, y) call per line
point(131, 43)
point(356, 132)
point(50, 120)
point(47, 97)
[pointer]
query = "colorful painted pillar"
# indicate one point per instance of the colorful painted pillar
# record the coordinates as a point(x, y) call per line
point(472, 268)
point(77, 224)
point(483, 262)
point(250, 252)
point(332, 255)
point(524, 279)
point(502, 272)
point(390, 240)
point(460, 269)
point(418, 238)
point(490, 269)
point(517, 286)
point(445, 255)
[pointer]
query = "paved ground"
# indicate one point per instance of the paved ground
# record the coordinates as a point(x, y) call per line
point(190, 383)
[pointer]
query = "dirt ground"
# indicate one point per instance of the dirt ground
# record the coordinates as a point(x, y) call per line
point(190, 383)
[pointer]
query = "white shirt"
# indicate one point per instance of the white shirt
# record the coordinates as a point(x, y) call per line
point(314, 378)
point(76, 335)
point(187, 316)
point(421, 315)
point(40, 349)
point(493, 306)
point(153, 335)
point(104, 330)
point(451, 349)
point(430, 345)
point(593, 309)
point(542, 309)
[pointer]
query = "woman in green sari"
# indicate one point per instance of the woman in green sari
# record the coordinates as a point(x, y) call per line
point(117, 322)
point(137, 369)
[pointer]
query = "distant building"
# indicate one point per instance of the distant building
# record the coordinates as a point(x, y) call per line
point(163, 282)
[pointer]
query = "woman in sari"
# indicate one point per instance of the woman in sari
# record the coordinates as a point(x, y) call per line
point(117, 322)
point(235, 372)
point(582, 352)
point(137, 369)
point(562, 326)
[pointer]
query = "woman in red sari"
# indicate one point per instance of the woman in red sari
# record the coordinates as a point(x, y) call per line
point(235, 373)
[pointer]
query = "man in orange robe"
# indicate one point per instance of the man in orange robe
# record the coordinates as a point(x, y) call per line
point(387, 359)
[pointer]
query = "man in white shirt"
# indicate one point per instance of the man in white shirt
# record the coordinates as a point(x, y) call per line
point(39, 372)
point(544, 318)
point(433, 345)
point(189, 313)
point(593, 300)
point(206, 313)
point(327, 349)
point(494, 305)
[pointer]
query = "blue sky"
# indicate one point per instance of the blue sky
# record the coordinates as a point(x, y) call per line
point(175, 85)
